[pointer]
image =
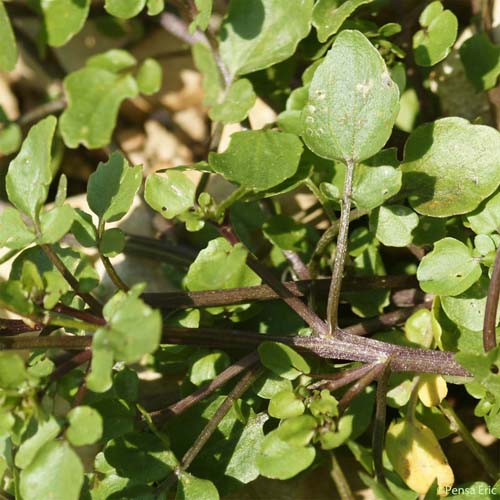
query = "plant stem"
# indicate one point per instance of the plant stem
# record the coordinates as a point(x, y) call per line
point(378, 436)
point(227, 202)
point(328, 236)
point(184, 404)
point(298, 266)
point(337, 474)
point(490, 312)
point(113, 275)
point(478, 451)
point(334, 381)
point(341, 250)
point(243, 295)
point(8, 255)
point(344, 347)
point(68, 322)
point(359, 386)
point(239, 389)
point(60, 266)
point(412, 403)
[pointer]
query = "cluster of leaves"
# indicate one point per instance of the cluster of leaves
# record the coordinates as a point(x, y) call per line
point(434, 193)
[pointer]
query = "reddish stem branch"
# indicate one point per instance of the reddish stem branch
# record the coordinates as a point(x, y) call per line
point(184, 404)
point(490, 312)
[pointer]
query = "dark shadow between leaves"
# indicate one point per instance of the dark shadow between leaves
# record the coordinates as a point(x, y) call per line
point(247, 18)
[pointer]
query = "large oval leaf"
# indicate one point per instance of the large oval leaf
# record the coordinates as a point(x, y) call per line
point(258, 159)
point(353, 102)
point(259, 33)
point(450, 166)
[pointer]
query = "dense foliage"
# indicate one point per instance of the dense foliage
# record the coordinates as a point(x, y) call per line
point(292, 344)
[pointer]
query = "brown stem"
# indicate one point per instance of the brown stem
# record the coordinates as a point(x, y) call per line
point(378, 436)
point(17, 327)
point(360, 386)
point(490, 312)
point(334, 381)
point(317, 325)
point(72, 363)
point(298, 266)
point(233, 296)
point(340, 252)
point(239, 389)
point(59, 265)
point(338, 477)
point(184, 404)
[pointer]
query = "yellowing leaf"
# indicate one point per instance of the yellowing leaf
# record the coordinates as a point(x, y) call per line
point(417, 457)
point(432, 389)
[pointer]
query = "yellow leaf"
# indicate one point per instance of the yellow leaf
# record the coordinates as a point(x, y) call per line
point(432, 389)
point(417, 457)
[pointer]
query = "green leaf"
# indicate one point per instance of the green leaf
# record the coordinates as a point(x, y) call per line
point(328, 16)
point(14, 298)
point(94, 96)
point(450, 166)
point(353, 103)
point(14, 233)
point(205, 63)
point(141, 457)
point(55, 473)
point(449, 269)
point(279, 459)
point(83, 228)
point(112, 187)
point(30, 174)
point(47, 431)
point(63, 19)
point(149, 77)
point(286, 404)
point(12, 370)
point(248, 34)
point(242, 466)
point(10, 138)
point(324, 405)
point(467, 309)
point(258, 159)
point(375, 180)
point(419, 328)
point(482, 71)
point(99, 379)
point(55, 223)
point(220, 265)
point(282, 360)
point(298, 431)
point(207, 367)
point(194, 488)
point(269, 385)
point(155, 7)
point(393, 225)
point(133, 328)
point(8, 49)
point(170, 193)
point(124, 9)
point(433, 43)
point(285, 233)
point(114, 60)
point(486, 218)
point(239, 99)
point(85, 426)
point(202, 18)
point(112, 242)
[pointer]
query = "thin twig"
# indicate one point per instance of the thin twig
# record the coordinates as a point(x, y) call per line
point(239, 389)
point(338, 477)
point(184, 404)
point(334, 381)
point(360, 386)
point(72, 281)
point(298, 266)
point(490, 311)
point(244, 295)
point(461, 429)
point(379, 423)
point(341, 250)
